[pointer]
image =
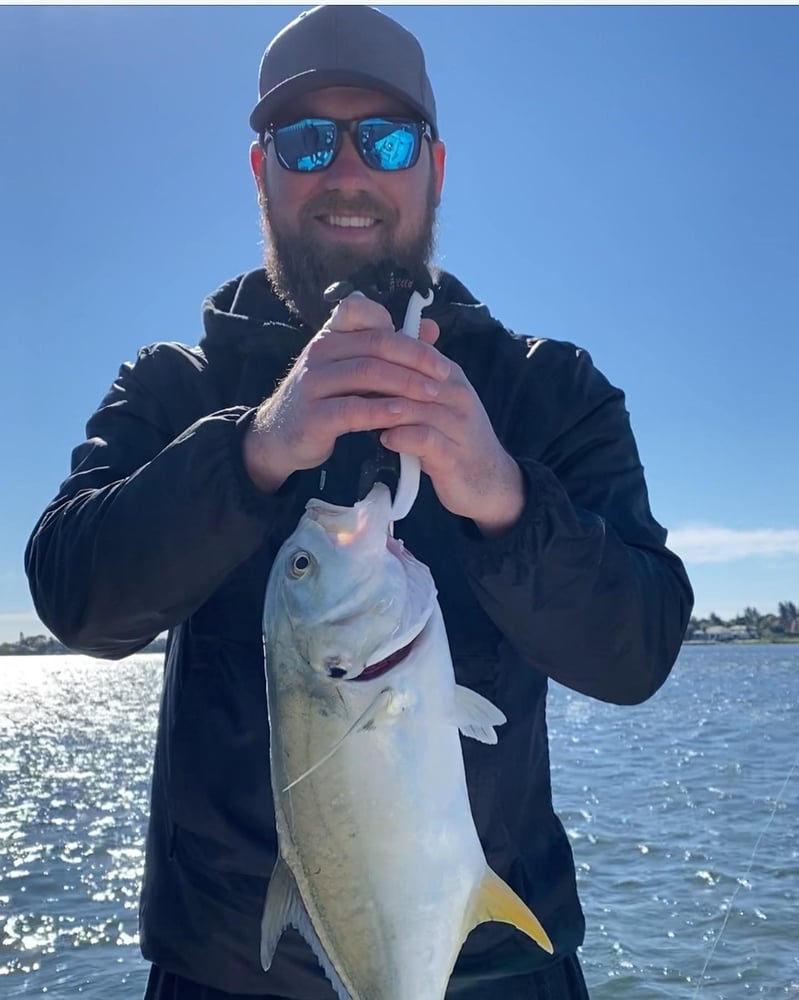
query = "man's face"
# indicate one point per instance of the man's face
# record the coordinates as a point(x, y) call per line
point(322, 227)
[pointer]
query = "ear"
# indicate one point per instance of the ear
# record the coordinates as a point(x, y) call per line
point(439, 161)
point(257, 158)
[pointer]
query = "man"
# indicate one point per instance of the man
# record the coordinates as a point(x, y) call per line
point(533, 517)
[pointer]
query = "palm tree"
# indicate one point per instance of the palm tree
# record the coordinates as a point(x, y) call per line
point(751, 618)
point(788, 616)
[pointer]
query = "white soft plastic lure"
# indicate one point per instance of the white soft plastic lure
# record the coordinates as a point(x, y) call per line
point(410, 466)
point(380, 866)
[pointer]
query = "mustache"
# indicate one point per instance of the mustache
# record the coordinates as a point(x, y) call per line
point(360, 203)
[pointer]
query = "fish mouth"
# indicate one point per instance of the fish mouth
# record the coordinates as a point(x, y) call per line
point(383, 666)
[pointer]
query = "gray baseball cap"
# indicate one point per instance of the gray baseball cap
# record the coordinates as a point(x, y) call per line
point(343, 46)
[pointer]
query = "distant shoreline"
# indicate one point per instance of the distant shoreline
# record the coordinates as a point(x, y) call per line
point(785, 640)
point(46, 645)
point(40, 645)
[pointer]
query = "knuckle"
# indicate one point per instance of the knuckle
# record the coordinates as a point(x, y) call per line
point(426, 436)
point(434, 439)
point(376, 341)
point(364, 370)
point(461, 394)
point(456, 378)
point(345, 408)
point(350, 412)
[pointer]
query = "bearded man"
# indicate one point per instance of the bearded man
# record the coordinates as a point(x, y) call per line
point(532, 516)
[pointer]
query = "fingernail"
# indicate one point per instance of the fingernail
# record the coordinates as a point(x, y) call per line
point(442, 367)
point(395, 406)
point(431, 388)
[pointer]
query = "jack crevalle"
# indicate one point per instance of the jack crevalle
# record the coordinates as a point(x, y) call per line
point(380, 867)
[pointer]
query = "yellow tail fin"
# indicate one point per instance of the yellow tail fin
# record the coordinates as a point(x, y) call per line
point(496, 900)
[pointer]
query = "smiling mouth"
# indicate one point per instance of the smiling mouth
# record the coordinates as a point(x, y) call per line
point(349, 221)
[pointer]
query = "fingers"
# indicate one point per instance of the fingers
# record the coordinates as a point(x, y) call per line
point(356, 374)
point(345, 414)
point(423, 427)
point(437, 451)
point(383, 344)
point(368, 376)
point(471, 472)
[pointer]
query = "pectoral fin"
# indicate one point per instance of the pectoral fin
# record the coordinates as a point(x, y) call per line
point(476, 716)
point(284, 908)
point(495, 900)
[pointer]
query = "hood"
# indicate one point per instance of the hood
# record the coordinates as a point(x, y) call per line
point(245, 317)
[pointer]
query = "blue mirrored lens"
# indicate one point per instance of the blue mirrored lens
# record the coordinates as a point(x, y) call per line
point(312, 143)
point(389, 145)
point(306, 145)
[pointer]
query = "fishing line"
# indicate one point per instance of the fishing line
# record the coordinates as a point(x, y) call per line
point(745, 876)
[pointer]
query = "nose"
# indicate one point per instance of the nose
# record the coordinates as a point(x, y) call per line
point(347, 172)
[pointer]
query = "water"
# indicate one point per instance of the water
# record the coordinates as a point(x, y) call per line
point(663, 803)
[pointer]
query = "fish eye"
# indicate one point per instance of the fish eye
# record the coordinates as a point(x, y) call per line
point(300, 564)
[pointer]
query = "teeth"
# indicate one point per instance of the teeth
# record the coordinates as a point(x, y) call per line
point(350, 221)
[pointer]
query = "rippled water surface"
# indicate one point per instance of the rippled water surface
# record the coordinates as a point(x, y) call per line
point(664, 803)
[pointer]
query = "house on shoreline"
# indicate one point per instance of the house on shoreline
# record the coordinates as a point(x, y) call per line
point(723, 633)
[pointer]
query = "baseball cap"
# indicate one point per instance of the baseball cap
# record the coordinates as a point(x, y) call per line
point(343, 46)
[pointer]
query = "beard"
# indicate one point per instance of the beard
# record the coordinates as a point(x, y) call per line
point(300, 269)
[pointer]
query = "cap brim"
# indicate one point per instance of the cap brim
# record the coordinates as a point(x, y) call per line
point(265, 111)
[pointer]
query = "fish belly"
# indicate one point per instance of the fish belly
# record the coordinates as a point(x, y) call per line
point(383, 848)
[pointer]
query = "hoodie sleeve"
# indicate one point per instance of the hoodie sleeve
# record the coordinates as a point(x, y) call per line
point(155, 513)
point(583, 585)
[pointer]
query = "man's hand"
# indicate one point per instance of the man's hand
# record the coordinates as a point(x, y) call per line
point(358, 374)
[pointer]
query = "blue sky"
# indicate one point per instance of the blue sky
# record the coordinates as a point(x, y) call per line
point(620, 177)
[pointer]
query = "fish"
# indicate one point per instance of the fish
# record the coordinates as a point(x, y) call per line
point(380, 867)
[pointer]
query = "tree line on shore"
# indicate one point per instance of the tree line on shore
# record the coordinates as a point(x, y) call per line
point(784, 625)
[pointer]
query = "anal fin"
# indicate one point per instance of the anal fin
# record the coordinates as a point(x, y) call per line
point(495, 900)
point(277, 910)
point(284, 908)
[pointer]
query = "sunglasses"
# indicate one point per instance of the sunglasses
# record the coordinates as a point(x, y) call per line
point(312, 144)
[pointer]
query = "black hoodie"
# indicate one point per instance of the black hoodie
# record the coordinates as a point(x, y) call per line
point(158, 527)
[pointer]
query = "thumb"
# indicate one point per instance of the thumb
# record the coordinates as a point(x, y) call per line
point(357, 312)
point(429, 331)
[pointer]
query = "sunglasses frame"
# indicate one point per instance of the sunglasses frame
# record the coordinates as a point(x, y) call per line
point(350, 127)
